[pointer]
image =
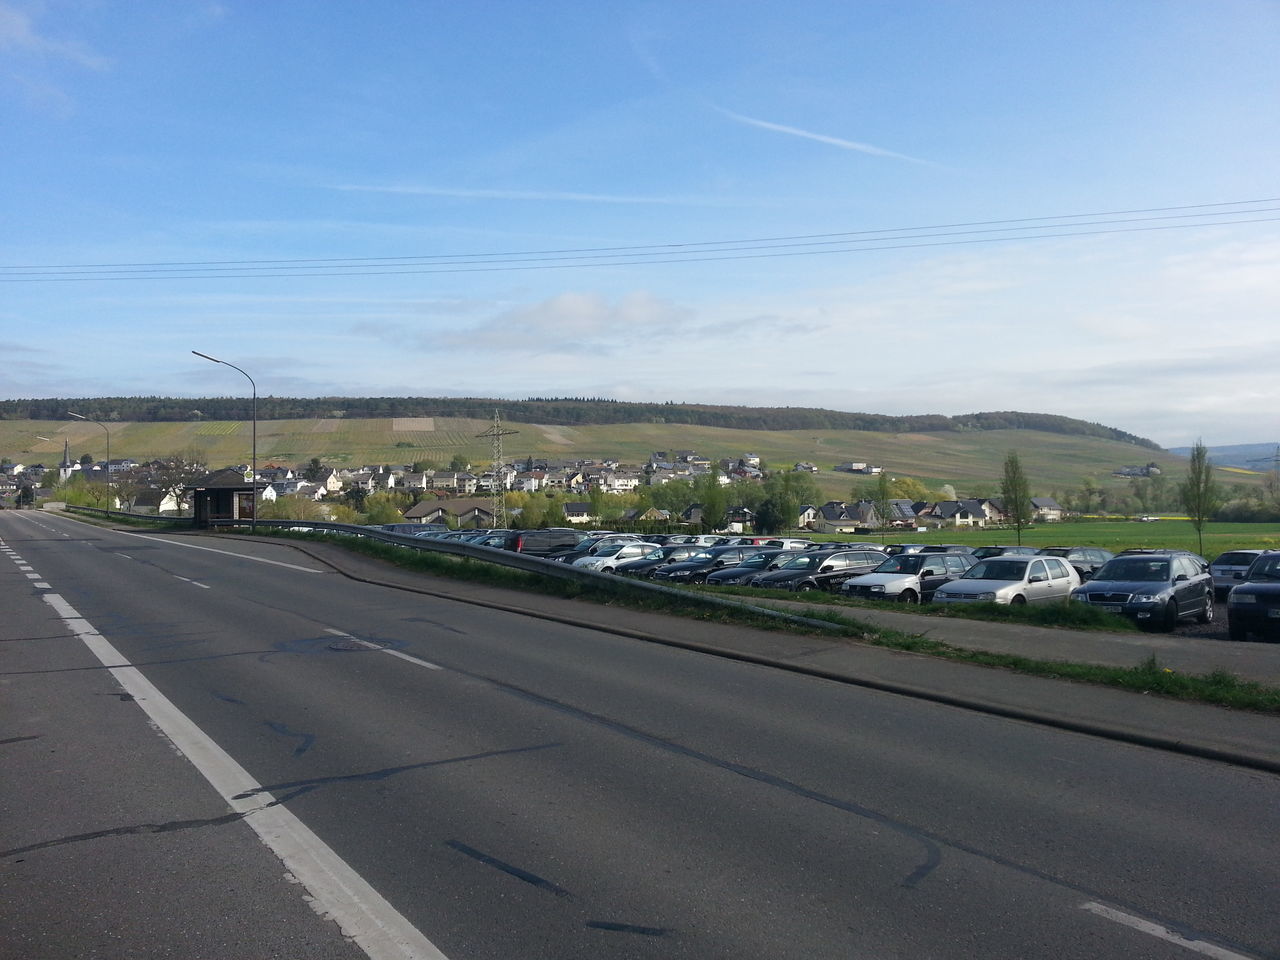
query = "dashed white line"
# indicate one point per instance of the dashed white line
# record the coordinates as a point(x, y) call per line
point(1162, 932)
point(416, 661)
point(225, 553)
point(337, 891)
point(192, 582)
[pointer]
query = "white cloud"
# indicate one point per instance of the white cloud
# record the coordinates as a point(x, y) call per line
point(18, 32)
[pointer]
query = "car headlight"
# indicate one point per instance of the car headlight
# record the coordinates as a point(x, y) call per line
point(876, 588)
point(1237, 598)
point(989, 595)
point(679, 573)
point(1080, 597)
point(1145, 598)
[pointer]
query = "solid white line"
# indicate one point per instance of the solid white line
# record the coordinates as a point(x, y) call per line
point(416, 661)
point(227, 553)
point(338, 892)
point(1164, 933)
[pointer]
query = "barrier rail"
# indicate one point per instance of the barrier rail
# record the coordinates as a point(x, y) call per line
point(125, 515)
point(520, 561)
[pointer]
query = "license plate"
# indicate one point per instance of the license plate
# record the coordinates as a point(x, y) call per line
point(1113, 607)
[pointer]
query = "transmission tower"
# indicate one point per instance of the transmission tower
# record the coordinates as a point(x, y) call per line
point(498, 503)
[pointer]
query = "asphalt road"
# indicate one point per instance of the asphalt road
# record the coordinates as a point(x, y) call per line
point(511, 787)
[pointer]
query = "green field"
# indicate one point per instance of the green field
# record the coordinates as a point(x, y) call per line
point(970, 460)
point(1113, 535)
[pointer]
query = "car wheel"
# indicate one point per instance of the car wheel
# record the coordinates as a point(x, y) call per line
point(1206, 615)
point(1237, 631)
point(908, 596)
point(804, 588)
point(607, 570)
point(1018, 601)
point(1169, 618)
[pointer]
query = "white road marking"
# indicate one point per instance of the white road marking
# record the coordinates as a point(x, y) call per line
point(24, 566)
point(1164, 933)
point(225, 553)
point(416, 661)
point(192, 582)
point(32, 576)
point(125, 555)
point(42, 586)
point(338, 892)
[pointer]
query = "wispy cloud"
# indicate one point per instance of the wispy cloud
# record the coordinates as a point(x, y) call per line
point(17, 32)
point(537, 195)
point(819, 137)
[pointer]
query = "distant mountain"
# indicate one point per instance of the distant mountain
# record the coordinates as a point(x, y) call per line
point(1249, 456)
point(561, 411)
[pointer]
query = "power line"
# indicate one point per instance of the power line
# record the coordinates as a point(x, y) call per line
point(697, 252)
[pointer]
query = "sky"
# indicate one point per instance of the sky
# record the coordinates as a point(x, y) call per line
point(884, 207)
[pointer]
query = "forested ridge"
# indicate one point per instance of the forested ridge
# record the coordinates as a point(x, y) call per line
point(561, 411)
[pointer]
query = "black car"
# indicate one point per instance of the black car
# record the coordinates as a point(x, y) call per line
point(819, 570)
point(661, 557)
point(540, 543)
point(1087, 560)
point(711, 559)
point(746, 569)
point(981, 553)
point(1155, 589)
point(1253, 606)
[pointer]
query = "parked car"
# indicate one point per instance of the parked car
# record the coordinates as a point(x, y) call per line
point(748, 568)
point(662, 556)
point(700, 565)
point(541, 543)
point(1086, 560)
point(607, 558)
point(1253, 606)
point(1154, 589)
point(908, 577)
point(945, 548)
point(593, 545)
point(1015, 580)
point(981, 553)
point(1225, 566)
point(819, 570)
point(894, 549)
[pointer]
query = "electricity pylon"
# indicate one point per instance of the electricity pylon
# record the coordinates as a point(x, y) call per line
point(498, 491)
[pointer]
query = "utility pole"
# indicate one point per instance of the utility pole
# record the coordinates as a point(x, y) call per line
point(498, 503)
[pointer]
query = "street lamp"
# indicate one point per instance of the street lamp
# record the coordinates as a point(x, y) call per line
point(253, 467)
point(107, 431)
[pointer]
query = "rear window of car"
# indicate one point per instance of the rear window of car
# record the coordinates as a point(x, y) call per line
point(1237, 559)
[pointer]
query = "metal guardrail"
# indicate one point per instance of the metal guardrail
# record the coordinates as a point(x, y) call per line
point(521, 561)
point(125, 515)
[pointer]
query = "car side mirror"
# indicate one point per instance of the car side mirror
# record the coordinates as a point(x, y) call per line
point(930, 572)
point(1180, 577)
point(827, 569)
point(1086, 576)
point(1037, 578)
point(1237, 576)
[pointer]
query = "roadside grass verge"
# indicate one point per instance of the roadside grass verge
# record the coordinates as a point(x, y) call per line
point(1066, 615)
point(1149, 677)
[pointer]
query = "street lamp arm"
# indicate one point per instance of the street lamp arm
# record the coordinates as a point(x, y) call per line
point(253, 469)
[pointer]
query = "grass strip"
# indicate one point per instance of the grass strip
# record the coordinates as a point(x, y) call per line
point(1149, 677)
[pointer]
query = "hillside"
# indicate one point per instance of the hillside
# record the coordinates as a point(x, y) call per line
point(971, 460)
point(570, 412)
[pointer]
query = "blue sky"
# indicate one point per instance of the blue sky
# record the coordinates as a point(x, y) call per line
point(211, 142)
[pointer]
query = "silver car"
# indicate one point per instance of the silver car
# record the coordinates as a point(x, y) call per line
point(1227, 565)
point(1014, 580)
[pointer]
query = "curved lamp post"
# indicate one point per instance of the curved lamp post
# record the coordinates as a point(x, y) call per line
point(107, 431)
point(253, 467)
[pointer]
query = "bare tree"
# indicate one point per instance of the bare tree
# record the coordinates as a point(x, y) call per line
point(1016, 494)
point(1200, 492)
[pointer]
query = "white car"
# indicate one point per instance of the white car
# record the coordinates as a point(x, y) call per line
point(1011, 579)
point(608, 557)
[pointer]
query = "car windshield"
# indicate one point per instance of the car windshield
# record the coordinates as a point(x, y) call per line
point(759, 560)
point(997, 570)
point(802, 562)
point(1265, 568)
point(655, 554)
point(1140, 569)
point(902, 563)
point(701, 556)
point(610, 549)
